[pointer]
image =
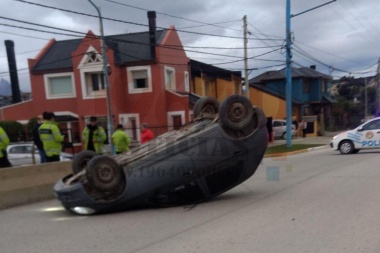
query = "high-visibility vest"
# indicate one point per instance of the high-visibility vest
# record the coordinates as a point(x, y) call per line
point(51, 138)
point(4, 141)
point(99, 136)
point(121, 141)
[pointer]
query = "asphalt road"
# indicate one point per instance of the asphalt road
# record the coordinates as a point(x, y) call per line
point(318, 201)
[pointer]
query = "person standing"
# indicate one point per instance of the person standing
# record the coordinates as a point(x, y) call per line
point(94, 136)
point(146, 133)
point(37, 141)
point(303, 126)
point(121, 140)
point(51, 137)
point(4, 142)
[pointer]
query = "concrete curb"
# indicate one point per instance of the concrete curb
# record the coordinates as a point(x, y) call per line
point(296, 152)
point(29, 184)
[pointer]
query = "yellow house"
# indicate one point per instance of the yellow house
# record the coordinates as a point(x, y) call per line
point(208, 80)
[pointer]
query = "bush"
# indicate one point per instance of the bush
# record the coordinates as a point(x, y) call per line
point(14, 130)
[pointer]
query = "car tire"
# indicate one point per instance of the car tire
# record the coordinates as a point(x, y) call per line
point(236, 112)
point(346, 147)
point(207, 105)
point(81, 160)
point(284, 136)
point(105, 174)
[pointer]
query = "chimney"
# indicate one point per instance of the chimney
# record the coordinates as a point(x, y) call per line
point(313, 67)
point(152, 33)
point(16, 94)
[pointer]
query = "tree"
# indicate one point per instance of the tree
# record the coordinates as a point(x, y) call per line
point(14, 130)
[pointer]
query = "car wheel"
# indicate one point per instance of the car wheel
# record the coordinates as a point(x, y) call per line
point(346, 147)
point(207, 105)
point(284, 136)
point(236, 112)
point(104, 173)
point(81, 159)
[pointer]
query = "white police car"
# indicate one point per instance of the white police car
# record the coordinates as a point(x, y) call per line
point(365, 136)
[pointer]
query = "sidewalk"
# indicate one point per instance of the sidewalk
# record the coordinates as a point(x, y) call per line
point(323, 140)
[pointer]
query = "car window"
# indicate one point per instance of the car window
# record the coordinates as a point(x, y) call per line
point(277, 123)
point(28, 149)
point(372, 125)
point(15, 150)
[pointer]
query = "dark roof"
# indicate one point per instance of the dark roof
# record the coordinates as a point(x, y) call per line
point(128, 48)
point(193, 98)
point(58, 55)
point(197, 68)
point(132, 47)
point(281, 74)
point(65, 118)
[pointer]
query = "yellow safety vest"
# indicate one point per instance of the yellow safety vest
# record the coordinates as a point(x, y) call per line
point(121, 141)
point(4, 141)
point(51, 138)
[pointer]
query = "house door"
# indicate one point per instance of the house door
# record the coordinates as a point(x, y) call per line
point(177, 121)
point(131, 123)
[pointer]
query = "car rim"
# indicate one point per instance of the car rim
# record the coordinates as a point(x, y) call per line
point(346, 147)
point(237, 112)
point(105, 174)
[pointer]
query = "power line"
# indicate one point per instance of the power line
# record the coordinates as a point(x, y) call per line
point(26, 36)
point(109, 39)
point(128, 22)
point(173, 16)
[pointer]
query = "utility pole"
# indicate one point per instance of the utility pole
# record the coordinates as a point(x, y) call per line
point(246, 80)
point(288, 87)
point(106, 81)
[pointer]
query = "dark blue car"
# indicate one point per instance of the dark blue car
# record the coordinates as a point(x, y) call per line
point(220, 149)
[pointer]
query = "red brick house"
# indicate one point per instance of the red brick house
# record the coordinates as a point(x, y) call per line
point(148, 81)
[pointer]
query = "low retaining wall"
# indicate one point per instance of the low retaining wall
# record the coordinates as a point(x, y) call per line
point(28, 184)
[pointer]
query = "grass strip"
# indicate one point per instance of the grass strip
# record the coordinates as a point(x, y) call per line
point(284, 149)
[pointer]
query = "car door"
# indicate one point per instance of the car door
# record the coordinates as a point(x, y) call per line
point(277, 128)
point(370, 135)
point(16, 156)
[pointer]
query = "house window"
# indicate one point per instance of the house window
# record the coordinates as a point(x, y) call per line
point(94, 83)
point(170, 78)
point(187, 81)
point(139, 79)
point(306, 86)
point(59, 86)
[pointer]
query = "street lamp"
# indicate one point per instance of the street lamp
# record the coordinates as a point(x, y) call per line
point(288, 87)
point(106, 81)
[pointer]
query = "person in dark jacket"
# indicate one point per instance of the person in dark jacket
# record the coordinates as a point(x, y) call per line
point(37, 141)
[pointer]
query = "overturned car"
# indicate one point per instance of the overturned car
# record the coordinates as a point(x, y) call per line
point(217, 151)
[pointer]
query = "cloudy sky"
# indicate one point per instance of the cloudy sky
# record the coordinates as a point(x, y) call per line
point(341, 38)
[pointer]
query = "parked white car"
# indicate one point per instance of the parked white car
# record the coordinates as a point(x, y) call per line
point(365, 136)
point(279, 128)
point(22, 154)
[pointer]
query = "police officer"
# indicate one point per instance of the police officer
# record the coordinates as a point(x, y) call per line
point(4, 142)
point(94, 136)
point(51, 137)
point(121, 140)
